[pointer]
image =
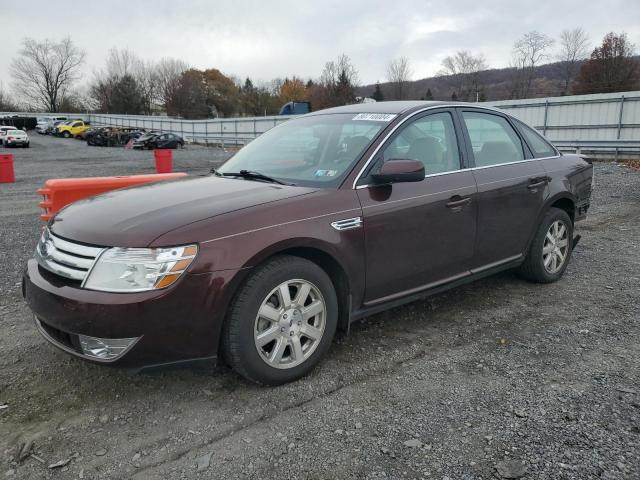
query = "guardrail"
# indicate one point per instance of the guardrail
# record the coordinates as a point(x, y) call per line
point(604, 148)
point(608, 123)
point(223, 131)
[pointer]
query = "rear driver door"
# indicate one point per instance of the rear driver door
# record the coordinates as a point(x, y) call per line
point(511, 187)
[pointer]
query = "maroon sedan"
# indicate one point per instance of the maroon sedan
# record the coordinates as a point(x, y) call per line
point(321, 221)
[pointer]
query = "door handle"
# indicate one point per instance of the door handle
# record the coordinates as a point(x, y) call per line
point(537, 182)
point(456, 202)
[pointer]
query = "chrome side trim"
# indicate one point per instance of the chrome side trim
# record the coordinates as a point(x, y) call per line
point(438, 283)
point(477, 168)
point(433, 107)
point(426, 176)
point(496, 264)
point(347, 223)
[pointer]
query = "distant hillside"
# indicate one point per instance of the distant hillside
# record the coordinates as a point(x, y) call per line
point(496, 84)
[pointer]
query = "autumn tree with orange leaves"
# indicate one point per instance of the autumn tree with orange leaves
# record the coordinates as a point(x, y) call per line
point(292, 90)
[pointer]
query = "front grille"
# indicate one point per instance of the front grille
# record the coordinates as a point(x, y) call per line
point(64, 258)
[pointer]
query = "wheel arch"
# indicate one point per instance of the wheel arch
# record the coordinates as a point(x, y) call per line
point(309, 249)
point(562, 200)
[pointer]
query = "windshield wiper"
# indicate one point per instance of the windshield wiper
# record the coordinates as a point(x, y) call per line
point(250, 175)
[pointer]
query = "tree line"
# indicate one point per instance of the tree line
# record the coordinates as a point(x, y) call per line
point(46, 74)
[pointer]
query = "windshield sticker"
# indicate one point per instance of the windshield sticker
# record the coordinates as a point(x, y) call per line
point(376, 117)
point(326, 173)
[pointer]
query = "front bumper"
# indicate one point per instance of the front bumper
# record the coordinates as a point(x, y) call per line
point(181, 323)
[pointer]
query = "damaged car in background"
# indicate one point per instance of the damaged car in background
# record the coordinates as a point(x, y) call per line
point(111, 136)
point(151, 141)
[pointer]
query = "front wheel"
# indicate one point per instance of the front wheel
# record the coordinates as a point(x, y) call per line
point(550, 249)
point(281, 322)
point(66, 135)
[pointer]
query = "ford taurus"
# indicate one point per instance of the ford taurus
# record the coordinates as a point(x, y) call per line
point(321, 221)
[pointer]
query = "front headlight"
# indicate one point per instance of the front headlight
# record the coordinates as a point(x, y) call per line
point(139, 269)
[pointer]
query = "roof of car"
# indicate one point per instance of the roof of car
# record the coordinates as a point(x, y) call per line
point(394, 107)
point(382, 107)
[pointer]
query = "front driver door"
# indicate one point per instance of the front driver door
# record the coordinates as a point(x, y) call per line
point(419, 234)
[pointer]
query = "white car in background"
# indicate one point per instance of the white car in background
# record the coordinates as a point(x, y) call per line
point(3, 132)
point(15, 138)
point(46, 124)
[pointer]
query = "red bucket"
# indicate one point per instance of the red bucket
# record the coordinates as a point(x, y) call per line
point(164, 161)
point(6, 169)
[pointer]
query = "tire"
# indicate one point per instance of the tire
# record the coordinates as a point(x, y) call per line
point(292, 353)
point(539, 265)
point(26, 146)
point(66, 135)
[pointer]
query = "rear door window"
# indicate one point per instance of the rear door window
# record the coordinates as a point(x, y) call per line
point(493, 139)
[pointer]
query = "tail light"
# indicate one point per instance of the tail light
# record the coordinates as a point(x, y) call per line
point(10, 138)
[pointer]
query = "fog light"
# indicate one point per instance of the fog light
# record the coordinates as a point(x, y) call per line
point(105, 348)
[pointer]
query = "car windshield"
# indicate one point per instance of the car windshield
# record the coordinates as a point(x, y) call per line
point(317, 151)
point(15, 132)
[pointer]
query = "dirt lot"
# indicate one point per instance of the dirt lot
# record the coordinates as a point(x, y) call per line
point(500, 378)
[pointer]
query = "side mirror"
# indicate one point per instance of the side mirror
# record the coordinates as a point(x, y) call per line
point(399, 170)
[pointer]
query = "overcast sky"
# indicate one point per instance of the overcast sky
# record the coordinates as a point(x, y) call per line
point(267, 39)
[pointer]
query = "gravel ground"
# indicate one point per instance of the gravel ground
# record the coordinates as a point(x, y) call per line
point(500, 378)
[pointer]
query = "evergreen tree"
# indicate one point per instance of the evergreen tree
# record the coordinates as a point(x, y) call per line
point(126, 96)
point(377, 94)
point(429, 95)
point(454, 97)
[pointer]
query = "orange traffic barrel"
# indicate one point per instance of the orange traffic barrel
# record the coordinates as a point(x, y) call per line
point(60, 192)
point(164, 160)
point(6, 169)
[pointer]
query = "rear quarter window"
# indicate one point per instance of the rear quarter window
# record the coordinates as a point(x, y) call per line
point(538, 145)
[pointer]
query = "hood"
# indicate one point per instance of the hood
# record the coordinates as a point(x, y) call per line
point(134, 217)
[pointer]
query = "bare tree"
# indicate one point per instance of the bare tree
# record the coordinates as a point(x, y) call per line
point(333, 70)
point(399, 73)
point(464, 70)
point(6, 105)
point(574, 46)
point(143, 78)
point(169, 72)
point(45, 71)
point(337, 84)
point(528, 52)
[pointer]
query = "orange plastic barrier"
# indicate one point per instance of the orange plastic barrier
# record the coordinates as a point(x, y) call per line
point(62, 191)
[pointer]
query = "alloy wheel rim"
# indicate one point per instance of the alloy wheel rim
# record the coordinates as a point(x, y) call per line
point(556, 247)
point(290, 324)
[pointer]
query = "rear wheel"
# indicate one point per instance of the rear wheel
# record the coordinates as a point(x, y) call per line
point(281, 322)
point(551, 248)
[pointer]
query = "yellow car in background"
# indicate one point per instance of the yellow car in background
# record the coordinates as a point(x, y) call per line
point(73, 128)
